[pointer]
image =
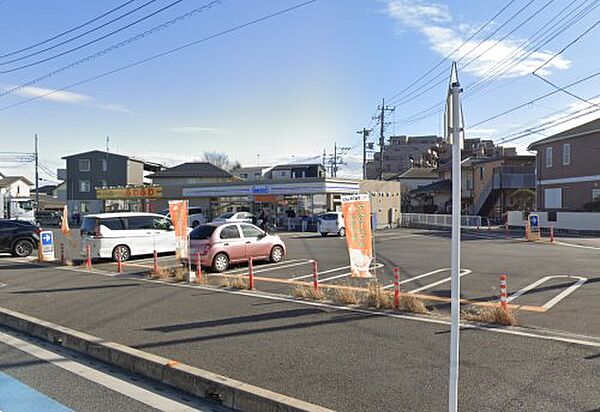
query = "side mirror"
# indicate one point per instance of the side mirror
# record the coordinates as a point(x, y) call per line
point(171, 228)
point(262, 235)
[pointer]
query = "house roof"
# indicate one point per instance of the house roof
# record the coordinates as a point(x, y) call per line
point(96, 151)
point(9, 180)
point(420, 173)
point(444, 186)
point(581, 130)
point(46, 189)
point(192, 169)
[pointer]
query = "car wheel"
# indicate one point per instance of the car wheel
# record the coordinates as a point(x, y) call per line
point(324, 234)
point(342, 232)
point(220, 262)
point(276, 254)
point(123, 251)
point(195, 223)
point(22, 248)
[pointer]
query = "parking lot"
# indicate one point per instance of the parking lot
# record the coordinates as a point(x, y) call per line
point(554, 285)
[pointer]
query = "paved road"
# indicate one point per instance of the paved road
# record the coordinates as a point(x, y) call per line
point(38, 376)
point(345, 360)
point(563, 279)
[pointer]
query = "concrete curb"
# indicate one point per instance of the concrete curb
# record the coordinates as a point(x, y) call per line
point(228, 392)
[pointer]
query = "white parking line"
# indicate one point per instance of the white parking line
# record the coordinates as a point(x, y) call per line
point(114, 384)
point(343, 275)
point(268, 265)
point(434, 272)
point(463, 272)
point(385, 238)
point(548, 305)
point(575, 245)
point(321, 273)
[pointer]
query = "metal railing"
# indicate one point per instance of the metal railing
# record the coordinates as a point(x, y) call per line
point(438, 220)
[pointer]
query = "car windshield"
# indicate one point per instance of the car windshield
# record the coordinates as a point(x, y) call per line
point(329, 216)
point(88, 226)
point(226, 215)
point(202, 232)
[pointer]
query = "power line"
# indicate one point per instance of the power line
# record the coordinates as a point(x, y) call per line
point(112, 48)
point(141, 19)
point(490, 20)
point(549, 30)
point(520, 106)
point(67, 31)
point(569, 45)
point(162, 54)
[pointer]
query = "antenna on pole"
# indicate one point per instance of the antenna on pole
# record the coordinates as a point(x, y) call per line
point(108, 143)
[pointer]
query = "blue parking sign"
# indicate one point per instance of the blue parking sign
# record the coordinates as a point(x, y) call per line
point(46, 238)
point(534, 221)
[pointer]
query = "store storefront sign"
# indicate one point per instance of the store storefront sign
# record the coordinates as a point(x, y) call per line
point(260, 190)
point(134, 192)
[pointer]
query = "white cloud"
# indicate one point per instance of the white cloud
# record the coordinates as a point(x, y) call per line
point(433, 21)
point(195, 130)
point(61, 96)
point(53, 95)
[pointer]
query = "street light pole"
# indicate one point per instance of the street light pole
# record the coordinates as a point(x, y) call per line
point(455, 130)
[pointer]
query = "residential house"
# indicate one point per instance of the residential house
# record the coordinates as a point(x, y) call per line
point(568, 169)
point(97, 169)
point(15, 186)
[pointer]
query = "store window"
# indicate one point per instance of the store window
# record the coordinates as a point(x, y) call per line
point(84, 186)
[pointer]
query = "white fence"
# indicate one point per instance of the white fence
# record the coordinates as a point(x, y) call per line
point(422, 219)
point(575, 221)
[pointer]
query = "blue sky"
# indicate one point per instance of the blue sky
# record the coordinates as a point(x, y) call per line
point(283, 89)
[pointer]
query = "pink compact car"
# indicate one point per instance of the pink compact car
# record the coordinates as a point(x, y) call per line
point(220, 244)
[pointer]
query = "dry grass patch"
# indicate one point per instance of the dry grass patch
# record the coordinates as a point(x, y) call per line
point(378, 298)
point(494, 315)
point(161, 273)
point(413, 304)
point(180, 274)
point(238, 283)
point(224, 282)
point(307, 292)
point(346, 296)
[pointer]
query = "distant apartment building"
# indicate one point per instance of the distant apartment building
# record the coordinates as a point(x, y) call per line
point(280, 172)
point(401, 153)
point(568, 168)
point(97, 169)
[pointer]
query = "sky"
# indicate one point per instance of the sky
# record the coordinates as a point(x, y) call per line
point(287, 88)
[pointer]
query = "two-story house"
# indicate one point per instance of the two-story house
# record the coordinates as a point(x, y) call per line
point(97, 169)
point(568, 168)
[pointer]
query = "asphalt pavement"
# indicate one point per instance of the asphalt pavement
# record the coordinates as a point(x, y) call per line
point(349, 360)
point(39, 376)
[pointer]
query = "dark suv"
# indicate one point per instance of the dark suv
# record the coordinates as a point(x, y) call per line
point(18, 237)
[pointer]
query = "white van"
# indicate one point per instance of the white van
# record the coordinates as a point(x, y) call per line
point(331, 222)
point(126, 234)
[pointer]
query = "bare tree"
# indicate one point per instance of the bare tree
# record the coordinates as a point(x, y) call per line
point(218, 159)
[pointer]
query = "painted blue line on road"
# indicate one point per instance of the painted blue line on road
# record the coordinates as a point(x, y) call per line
point(18, 397)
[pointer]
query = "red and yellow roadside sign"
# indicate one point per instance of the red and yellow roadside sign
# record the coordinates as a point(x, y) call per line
point(133, 192)
point(178, 210)
point(356, 210)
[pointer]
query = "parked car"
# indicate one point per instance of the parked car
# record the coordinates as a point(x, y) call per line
point(220, 244)
point(48, 217)
point(20, 238)
point(332, 222)
point(195, 216)
point(231, 217)
point(126, 234)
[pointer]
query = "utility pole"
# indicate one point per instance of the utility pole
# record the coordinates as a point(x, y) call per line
point(365, 133)
point(37, 175)
point(334, 167)
point(107, 143)
point(382, 125)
